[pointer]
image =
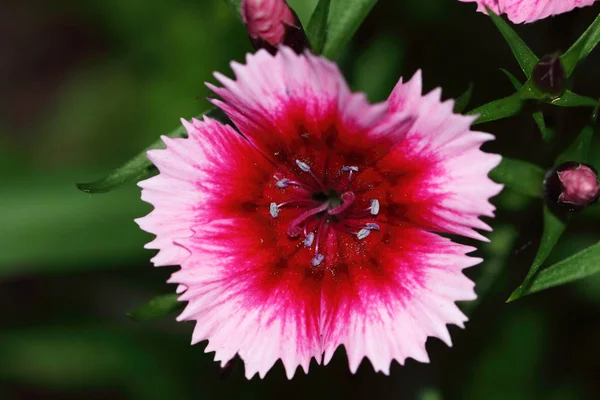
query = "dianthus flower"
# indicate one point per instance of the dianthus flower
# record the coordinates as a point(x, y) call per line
point(313, 228)
point(519, 11)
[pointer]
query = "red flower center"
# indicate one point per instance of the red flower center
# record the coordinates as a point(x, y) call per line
point(323, 208)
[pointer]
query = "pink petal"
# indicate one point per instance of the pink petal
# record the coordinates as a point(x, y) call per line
point(385, 305)
point(437, 177)
point(214, 172)
point(248, 298)
point(294, 103)
point(519, 11)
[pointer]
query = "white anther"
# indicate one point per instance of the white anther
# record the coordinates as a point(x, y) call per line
point(317, 260)
point(283, 183)
point(372, 226)
point(274, 210)
point(363, 233)
point(303, 166)
point(374, 207)
point(349, 168)
point(310, 238)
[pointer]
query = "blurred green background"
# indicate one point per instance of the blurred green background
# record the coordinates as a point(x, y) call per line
point(86, 84)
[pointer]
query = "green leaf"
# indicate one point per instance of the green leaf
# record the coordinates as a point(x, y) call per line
point(513, 79)
point(582, 47)
point(554, 226)
point(158, 307)
point(547, 133)
point(498, 109)
point(463, 100)
point(538, 116)
point(234, 5)
point(578, 266)
point(579, 150)
point(317, 26)
point(525, 57)
point(553, 230)
point(570, 99)
point(343, 26)
point(521, 176)
point(136, 169)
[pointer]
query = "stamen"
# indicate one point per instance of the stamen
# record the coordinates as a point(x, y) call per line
point(374, 207)
point(347, 200)
point(349, 168)
point(372, 226)
point(363, 233)
point(303, 166)
point(310, 238)
point(306, 168)
point(283, 183)
point(274, 210)
point(317, 260)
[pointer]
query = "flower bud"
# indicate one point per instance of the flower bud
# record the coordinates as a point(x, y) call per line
point(271, 23)
point(549, 74)
point(572, 186)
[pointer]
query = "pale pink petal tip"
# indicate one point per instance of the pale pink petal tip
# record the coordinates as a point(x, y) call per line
point(458, 188)
point(251, 288)
point(526, 11)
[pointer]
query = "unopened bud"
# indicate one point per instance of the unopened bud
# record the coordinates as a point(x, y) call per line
point(271, 23)
point(549, 74)
point(572, 186)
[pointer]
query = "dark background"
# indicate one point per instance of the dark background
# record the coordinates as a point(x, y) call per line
point(84, 85)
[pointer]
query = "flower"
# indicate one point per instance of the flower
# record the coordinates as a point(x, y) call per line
point(572, 185)
point(314, 227)
point(271, 23)
point(519, 11)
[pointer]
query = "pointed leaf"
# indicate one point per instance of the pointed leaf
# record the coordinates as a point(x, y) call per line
point(139, 167)
point(498, 109)
point(158, 307)
point(463, 100)
point(525, 57)
point(578, 266)
point(317, 26)
point(582, 47)
point(343, 26)
point(553, 230)
point(524, 177)
point(570, 99)
point(513, 79)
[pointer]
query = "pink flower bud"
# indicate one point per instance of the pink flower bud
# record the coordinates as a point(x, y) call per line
point(271, 23)
point(573, 186)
